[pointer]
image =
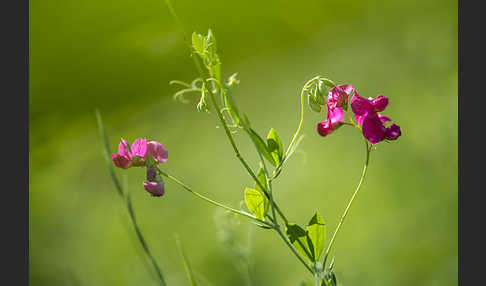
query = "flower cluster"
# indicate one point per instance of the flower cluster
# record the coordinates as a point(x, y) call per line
point(143, 154)
point(366, 112)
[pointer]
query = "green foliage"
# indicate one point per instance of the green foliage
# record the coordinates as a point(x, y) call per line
point(309, 242)
point(316, 230)
point(275, 147)
point(255, 201)
point(300, 240)
point(261, 146)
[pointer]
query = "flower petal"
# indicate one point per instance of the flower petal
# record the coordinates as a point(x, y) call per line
point(139, 147)
point(383, 118)
point(324, 128)
point(336, 115)
point(154, 188)
point(121, 161)
point(373, 129)
point(393, 132)
point(158, 151)
point(361, 106)
point(124, 148)
point(380, 103)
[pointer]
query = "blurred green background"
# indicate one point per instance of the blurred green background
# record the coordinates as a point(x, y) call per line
point(119, 56)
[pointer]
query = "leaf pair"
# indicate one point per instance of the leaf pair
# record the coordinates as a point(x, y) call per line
point(309, 242)
point(272, 150)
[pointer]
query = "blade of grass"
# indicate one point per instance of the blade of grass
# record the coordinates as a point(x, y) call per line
point(187, 266)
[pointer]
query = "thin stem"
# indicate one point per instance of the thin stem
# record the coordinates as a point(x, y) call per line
point(142, 240)
point(301, 123)
point(365, 168)
point(316, 276)
point(239, 156)
point(284, 238)
point(175, 180)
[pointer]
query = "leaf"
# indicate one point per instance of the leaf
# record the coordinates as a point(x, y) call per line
point(255, 201)
point(261, 146)
point(262, 178)
point(316, 230)
point(300, 240)
point(198, 43)
point(275, 147)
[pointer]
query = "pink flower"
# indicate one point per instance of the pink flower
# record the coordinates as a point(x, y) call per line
point(334, 118)
point(136, 155)
point(158, 151)
point(366, 114)
point(154, 188)
point(123, 159)
point(338, 96)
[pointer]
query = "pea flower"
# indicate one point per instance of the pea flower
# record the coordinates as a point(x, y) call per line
point(337, 100)
point(333, 121)
point(338, 96)
point(373, 124)
point(143, 154)
point(155, 185)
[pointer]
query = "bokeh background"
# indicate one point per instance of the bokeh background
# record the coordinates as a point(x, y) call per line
point(118, 56)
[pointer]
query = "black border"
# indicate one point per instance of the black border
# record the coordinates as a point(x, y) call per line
point(14, 210)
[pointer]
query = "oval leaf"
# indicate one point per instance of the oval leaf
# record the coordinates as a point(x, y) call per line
point(275, 147)
point(255, 202)
point(316, 229)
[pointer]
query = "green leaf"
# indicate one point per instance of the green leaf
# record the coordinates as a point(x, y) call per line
point(255, 201)
point(198, 43)
point(300, 240)
point(261, 146)
point(262, 178)
point(316, 229)
point(275, 147)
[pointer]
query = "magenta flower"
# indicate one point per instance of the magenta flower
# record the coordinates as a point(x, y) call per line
point(158, 151)
point(373, 124)
point(338, 96)
point(143, 154)
point(123, 159)
point(136, 155)
point(334, 118)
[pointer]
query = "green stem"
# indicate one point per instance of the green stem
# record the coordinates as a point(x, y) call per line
point(175, 180)
point(142, 240)
point(284, 238)
point(365, 168)
point(301, 123)
point(239, 156)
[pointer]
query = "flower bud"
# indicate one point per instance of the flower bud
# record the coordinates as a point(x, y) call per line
point(312, 103)
point(320, 93)
point(154, 188)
